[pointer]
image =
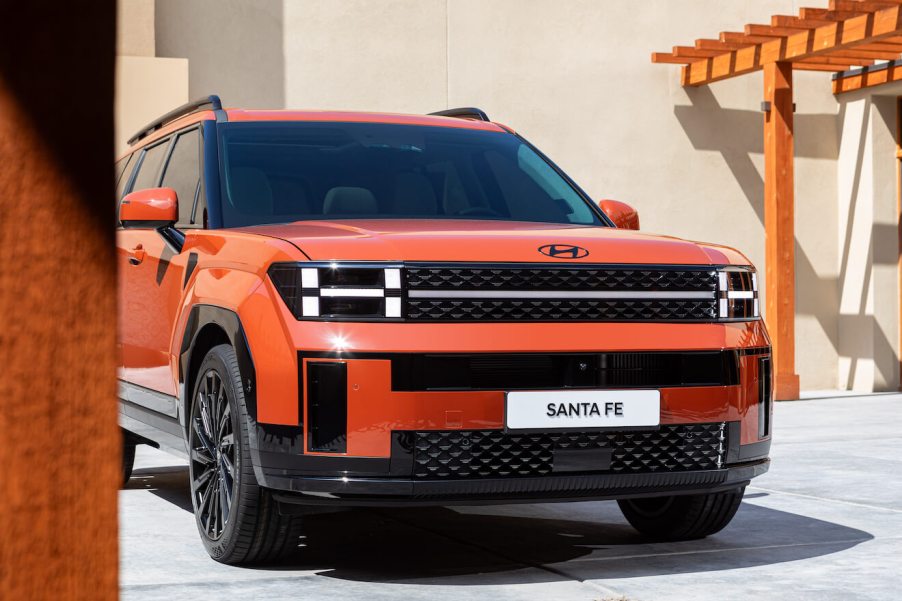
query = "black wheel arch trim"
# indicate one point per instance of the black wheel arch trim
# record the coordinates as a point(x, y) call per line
point(201, 316)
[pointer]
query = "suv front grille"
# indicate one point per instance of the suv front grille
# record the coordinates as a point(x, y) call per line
point(469, 454)
point(556, 278)
point(555, 310)
point(541, 293)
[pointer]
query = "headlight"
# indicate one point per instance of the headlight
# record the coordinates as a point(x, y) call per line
point(737, 294)
point(344, 291)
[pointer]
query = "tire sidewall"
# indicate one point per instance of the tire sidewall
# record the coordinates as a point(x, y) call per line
point(218, 359)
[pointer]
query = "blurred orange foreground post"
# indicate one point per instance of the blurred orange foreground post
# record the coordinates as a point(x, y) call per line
point(59, 441)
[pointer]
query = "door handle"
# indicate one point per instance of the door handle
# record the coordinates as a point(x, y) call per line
point(136, 255)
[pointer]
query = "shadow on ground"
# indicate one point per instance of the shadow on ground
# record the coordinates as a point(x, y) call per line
point(432, 545)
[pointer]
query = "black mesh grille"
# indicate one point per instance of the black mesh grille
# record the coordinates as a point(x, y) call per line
point(553, 278)
point(536, 279)
point(496, 454)
point(555, 310)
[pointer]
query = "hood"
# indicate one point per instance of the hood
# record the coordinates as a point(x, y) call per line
point(485, 242)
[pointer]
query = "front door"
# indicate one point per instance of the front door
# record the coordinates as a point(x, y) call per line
point(151, 274)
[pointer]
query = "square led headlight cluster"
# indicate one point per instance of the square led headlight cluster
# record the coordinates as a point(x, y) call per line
point(339, 290)
point(737, 291)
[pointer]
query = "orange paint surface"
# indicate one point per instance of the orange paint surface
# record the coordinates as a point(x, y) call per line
point(231, 266)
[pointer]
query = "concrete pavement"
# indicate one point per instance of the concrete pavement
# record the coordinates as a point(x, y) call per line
point(825, 523)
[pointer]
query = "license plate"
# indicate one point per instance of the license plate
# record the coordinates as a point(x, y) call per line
point(553, 409)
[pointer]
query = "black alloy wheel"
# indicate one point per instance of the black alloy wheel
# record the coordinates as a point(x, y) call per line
point(212, 455)
point(238, 520)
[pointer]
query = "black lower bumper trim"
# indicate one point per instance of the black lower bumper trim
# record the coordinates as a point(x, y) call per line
point(385, 491)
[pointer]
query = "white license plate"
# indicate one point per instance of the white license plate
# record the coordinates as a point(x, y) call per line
point(550, 409)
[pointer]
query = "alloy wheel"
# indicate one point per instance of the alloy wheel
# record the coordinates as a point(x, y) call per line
point(212, 456)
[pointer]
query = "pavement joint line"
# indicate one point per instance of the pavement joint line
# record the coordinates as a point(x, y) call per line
point(724, 550)
point(505, 556)
point(786, 443)
point(828, 499)
point(308, 574)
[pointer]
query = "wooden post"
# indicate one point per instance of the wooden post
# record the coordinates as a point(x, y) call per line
point(779, 226)
point(60, 465)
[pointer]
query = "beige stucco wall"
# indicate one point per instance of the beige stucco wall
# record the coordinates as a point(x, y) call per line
point(235, 48)
point(868, 241)
point(575, 77)
point(135, 28)
point(146, 87)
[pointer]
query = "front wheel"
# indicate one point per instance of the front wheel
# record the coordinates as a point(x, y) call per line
point(682, 517)
point(238, 521)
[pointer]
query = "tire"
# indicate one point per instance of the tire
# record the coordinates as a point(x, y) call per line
point(128, 458)
point(682, 517)
point(238, 521)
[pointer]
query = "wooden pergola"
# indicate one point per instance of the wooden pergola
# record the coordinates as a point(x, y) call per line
point(860, 42)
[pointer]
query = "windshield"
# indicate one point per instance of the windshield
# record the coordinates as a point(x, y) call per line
point(292, 171)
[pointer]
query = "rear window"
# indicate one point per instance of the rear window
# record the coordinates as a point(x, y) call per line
point(123, 174)
point(283, 172)
point(149, 167)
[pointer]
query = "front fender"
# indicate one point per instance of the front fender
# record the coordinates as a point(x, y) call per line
point(243, 306)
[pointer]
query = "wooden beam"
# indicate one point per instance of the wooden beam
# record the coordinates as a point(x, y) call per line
point(819, 67)
point(866, 28)
point(830, 60)
point(705, 44)
point(859, 52)
point(668, 58)
point(779, 226)
point(868, 79)
point(690, 52)
point(769, 31)
point(828, 15)
point(844, 5)
point(741, 38)
point(796, 22)
point(881, 46)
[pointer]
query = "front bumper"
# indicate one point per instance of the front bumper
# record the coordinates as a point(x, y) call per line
point(445, 467)
point(346, 491)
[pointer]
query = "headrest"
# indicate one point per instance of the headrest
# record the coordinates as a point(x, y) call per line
point(347, 200)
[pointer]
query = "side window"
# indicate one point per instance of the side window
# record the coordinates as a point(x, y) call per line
point(149, 168)
point(123, 173)
point(182, 173)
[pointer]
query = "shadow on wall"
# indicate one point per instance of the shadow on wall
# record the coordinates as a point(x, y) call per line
point(714, 128)
point(883, 250)
point(235, 49)
point(479, 546)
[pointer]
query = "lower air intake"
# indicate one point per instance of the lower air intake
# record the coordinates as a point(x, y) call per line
point(469, 454)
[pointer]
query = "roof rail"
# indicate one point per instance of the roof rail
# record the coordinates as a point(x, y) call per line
point(212, 102)
point(463, 113)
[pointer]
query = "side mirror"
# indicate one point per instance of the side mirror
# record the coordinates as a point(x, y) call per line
point(624, 216)
point(152, 208)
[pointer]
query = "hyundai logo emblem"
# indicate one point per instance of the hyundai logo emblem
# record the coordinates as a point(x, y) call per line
point(563, 251)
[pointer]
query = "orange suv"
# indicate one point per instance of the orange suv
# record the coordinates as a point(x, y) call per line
point(342, 309)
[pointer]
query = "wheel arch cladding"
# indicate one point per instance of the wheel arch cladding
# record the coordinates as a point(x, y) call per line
point(208, 326)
